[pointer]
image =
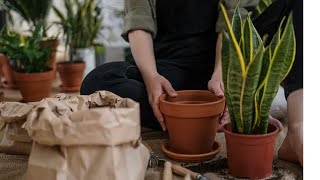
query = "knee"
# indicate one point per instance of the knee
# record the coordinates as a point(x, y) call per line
point(102, 77)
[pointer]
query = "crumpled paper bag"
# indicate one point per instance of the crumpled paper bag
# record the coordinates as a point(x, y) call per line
point(86, 137)
point(15, 139)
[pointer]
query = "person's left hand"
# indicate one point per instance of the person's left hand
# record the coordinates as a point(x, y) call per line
point(216, 86)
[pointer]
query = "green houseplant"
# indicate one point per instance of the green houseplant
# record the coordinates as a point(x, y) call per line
point(81, 26)
point(252, 72)
point(35, 12)
point(263, 4)
point(30, 62)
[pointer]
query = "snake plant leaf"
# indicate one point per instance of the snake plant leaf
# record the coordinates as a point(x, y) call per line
point(262, 79)
point(276, 38)
point(236, 73)
point(225, 54)
point(250, 40)
point(280, 65)
point(248, 107)
point(263, 4)
point(237, 24)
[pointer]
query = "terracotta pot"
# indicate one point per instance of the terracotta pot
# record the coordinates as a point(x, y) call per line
point(7, 72)
point(53, 45)
point(250, 156)
point(34, 86)
point(192, 120)
point(71, 75)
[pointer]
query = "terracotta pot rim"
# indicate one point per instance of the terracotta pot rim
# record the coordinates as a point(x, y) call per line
point(162, 100)
point(251, 136)
point(45, 72)
point(63, 63)
point(31, 76)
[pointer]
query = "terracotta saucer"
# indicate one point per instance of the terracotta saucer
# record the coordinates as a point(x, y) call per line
point(69, 89)
point(191, 158)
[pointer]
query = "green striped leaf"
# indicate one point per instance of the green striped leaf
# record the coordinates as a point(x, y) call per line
point(280, 65)
point(237, 24)
point(225, 58)
point(250, 40)
point(249, 86)
point(236, 73)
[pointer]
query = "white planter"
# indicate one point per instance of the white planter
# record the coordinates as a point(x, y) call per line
point(88, 56)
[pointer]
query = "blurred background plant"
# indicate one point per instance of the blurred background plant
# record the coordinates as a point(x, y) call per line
point(25, 53)
point(32, 11)
point(81, 25)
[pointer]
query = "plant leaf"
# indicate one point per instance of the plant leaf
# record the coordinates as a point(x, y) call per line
point(250, 83)
point(237, 24)
point(280, 65)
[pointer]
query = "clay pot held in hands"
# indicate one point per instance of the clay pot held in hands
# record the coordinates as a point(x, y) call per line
point(192, 119)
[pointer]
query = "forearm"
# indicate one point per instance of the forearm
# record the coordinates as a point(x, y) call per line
point(141, 44)
point(217, 66)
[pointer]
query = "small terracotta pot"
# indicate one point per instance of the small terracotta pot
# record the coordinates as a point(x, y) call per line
point(71, 75)
point(53, 45)
point(192, 120)
point(34, 86)
point(250, 156)
point(7, 71)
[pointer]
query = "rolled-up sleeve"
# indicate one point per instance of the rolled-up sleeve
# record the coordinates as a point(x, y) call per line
point(139, 15)
point(245, 7)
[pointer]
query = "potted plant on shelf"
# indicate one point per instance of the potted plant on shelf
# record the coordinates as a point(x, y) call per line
point(252, 72)
point(29, 61)
point(81, 25)
point(34, 11)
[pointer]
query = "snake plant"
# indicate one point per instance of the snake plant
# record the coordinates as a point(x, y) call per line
point(252, 71)
point(263, 4)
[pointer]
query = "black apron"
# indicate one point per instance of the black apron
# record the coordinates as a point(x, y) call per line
point(186, 32)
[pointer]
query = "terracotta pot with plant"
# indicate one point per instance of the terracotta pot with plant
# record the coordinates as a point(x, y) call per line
point(30, 63)
point(192, 119)
point(81, 26)
point(252, 71)
point(34, 11)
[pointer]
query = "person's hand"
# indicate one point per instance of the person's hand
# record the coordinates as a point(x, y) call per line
point(216, 86)
point(275, 122)
point(156, 86)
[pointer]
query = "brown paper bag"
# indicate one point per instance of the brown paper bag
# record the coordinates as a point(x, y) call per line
point(86, 137)
point(15, 139)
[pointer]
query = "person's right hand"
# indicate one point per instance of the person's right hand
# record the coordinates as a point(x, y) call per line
point(156, 86)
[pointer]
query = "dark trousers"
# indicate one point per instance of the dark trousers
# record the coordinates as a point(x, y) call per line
point(125, 80)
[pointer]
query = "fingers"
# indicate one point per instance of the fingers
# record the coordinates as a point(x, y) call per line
point(224, 118)
point(159, 116)
point(154, 102)
point(169, 89)
point(275, 122)
point(217, 90)
point(216, 87)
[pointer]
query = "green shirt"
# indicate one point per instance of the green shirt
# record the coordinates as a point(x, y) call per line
point(141, 15)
